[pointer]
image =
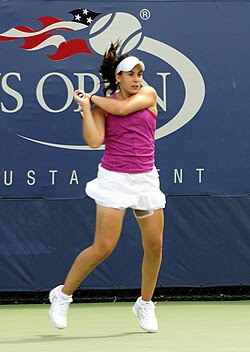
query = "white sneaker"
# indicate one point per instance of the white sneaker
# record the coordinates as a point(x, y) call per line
point(59, 308)
point(145, 312)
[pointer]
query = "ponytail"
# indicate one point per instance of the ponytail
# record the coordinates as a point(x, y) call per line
point(108, 66)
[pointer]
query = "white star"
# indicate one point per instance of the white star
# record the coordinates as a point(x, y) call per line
point(89, 20)
point(85, 12)
point(78, 17)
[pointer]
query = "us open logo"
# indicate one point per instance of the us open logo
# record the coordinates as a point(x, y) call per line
point(129, 30)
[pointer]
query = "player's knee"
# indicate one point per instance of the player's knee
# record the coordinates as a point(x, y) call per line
point(154, 249)
point(104, 250)
point(107, 251)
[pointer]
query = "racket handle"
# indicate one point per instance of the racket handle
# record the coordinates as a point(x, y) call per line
point(80, 95)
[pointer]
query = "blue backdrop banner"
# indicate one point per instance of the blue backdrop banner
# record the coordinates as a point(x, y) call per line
point(196, 56)
point(206, 244)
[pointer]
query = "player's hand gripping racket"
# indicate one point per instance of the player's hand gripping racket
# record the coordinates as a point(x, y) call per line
point(81, 99)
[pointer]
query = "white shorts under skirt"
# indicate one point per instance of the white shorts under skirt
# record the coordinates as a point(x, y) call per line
point(123, 190)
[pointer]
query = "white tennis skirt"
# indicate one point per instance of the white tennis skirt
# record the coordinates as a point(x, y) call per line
point(122, 190)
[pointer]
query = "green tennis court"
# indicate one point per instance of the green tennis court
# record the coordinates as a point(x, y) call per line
point(102, 327)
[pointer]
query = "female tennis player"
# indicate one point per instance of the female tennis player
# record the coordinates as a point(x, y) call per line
point(127, 178)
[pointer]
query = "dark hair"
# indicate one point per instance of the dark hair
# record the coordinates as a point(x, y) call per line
point(110, 61)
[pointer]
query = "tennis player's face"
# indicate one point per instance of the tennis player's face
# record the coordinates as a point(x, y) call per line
point(130, 81)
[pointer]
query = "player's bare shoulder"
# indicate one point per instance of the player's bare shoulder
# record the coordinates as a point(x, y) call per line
point(150, 95)
point(148, 91)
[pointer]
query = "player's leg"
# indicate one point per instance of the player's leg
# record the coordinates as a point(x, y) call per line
point(152, 230)
point(151, 227)
point(108, 229)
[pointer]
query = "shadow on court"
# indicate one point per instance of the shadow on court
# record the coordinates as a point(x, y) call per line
point(59, 338)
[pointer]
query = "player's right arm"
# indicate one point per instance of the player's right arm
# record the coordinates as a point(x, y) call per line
point(93, 122)
point(93, 127)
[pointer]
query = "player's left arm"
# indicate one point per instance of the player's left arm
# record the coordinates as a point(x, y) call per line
point(145, 98)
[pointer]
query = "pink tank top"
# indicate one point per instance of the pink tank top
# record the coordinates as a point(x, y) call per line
point(129, 142)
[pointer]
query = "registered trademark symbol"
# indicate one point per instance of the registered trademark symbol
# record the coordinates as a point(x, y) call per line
point(145, 14)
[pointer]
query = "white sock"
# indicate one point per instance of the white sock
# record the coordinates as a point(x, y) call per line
point(63, 295)
point(143, 302)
